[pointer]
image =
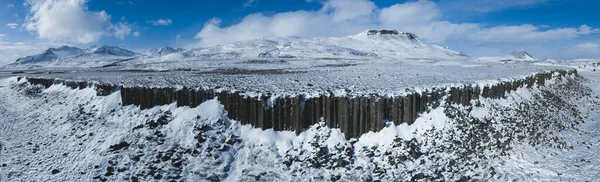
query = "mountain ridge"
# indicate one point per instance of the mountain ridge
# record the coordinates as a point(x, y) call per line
point(370, 44)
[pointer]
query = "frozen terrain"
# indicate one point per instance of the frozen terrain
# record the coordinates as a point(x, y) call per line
point(546, 133)
point(541, 134)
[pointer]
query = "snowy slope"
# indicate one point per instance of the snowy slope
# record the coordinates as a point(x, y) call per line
point(520, 55)
point(109, 50)
point(368, 45)
point(50, 55)
point(514, 56)
point(162, 51)
point(75, 57)
point(371, 45)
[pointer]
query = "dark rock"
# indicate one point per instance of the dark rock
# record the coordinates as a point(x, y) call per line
point(109, 171)
point(55, 171)
point(118, 146)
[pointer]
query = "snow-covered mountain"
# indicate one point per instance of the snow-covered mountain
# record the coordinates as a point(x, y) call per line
point(74, 57)
point(520, 55)
point(514, 56)
point(50, 55)
point(162, 51)
point(367, 45)
point(370, 44)
point(110, 50)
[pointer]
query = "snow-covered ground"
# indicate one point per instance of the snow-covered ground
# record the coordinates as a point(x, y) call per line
point(354, 78)
point(543, 134)
point(579, 161)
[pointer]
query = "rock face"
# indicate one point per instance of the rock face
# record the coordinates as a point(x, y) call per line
point(353, 115)
point(50, 54)
point(391, 32)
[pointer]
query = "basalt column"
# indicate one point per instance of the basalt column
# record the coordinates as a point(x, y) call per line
point(353, 115)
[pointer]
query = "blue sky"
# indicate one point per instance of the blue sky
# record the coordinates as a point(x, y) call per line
point(557, 29)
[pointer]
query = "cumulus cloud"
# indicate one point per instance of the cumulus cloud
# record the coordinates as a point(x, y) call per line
point(71, 21)
point(68, 20)
point(585, 50)
point(122, 30)
point(12, 25)
point(409, 14)
point(528, 34)
point(161, 22)
point(423, 17)
point(10, 6)
point(331, 20)
point(136, 34)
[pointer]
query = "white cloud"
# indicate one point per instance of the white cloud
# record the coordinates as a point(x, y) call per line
point(11, 51)
point(136, 34)
point(71, 21)
point(423, 17)
point(326, 22)
point(527, 34)
point(122, 30)
point(12, 25)
point(409, 14)
point(10, 6)
point(68, 20)
point(585, 50)
point(161, 22)
point(485, 6)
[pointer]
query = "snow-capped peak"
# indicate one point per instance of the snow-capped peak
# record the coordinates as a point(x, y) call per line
point(163, 51)
point(110, 50)
point(517, 56)
point(50, 54)
point(520, 55)
point(66, 51)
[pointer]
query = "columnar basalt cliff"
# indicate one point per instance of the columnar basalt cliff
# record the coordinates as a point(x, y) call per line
point(353, 115)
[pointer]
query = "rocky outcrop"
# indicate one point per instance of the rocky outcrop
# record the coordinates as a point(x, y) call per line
point(353, 115)
point(391, 32)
